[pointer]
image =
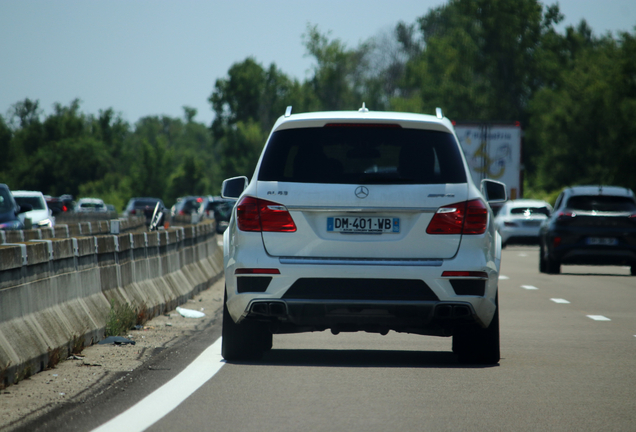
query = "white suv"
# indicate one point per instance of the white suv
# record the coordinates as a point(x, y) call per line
point(362, 221)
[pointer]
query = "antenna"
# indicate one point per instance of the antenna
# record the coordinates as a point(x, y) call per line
point(288, 111)
point(364, 108)
point(438, 113)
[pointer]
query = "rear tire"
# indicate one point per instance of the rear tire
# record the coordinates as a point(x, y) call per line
point(476, 345)
point(542, 263)
point(245, 341)
point(633, 270)
point(552, 266)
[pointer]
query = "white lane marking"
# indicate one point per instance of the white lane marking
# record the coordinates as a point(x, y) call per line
point(529, 287)
point(598, 318)
point(557, 300)
point(156, 405)
point(523, 254)
point(502, 277)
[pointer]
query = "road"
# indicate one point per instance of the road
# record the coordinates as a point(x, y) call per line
point(568, 364)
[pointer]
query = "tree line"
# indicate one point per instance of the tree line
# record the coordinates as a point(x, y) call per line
point(574, 93)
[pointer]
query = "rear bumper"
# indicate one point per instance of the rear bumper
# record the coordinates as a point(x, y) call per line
point(596, 256)
point(312, 294)
point(427, 318)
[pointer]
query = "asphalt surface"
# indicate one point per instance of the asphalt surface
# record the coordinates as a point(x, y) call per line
point(568, 364)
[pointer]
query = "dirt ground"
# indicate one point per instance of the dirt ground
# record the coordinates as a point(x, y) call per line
point(96, 365)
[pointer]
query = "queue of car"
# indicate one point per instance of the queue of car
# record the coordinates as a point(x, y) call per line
point(198, 207)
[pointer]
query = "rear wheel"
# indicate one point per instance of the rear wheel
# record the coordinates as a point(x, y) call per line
point(542, 263)
point(245, 341)
point(633, 270)
point(476, 345)
point(552, 266)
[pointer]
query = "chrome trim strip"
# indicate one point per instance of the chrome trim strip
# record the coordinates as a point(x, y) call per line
point(344, 209)
point(362, 261)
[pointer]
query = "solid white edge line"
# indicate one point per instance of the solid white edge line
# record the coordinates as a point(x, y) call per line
point(598, 318)
point(158, 404)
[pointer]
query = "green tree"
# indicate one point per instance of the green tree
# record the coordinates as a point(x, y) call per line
point(246, 105)
point(337, 72)
point(476, 59)
point(583, 126)
point(189, 179)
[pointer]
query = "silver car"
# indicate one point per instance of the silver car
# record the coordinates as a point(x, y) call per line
point(520, 220)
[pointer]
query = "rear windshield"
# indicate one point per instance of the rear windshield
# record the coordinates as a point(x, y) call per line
point(362, 155)
point(92, 205)
point(605, 203)
point(146, 202)
point(529, 211)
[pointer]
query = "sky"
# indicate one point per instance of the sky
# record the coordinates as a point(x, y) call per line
point(144, 58)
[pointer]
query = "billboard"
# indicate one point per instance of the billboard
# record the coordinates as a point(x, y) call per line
point(493, 151)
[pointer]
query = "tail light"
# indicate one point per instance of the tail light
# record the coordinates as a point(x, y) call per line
point(256, 271)
point(556, 242)
point(468, 217)
point(254, 214)
point(470, 274)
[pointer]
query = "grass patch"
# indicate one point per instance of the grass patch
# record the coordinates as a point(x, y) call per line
point(77, 345)
point(54, 357)
point(121, 318)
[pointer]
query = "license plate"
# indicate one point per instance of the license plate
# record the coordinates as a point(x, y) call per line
point(602, 241)
point(363, 225)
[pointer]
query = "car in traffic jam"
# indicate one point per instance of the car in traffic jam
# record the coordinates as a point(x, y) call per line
point(144, 206)
point(10, 210)
point(40, 216)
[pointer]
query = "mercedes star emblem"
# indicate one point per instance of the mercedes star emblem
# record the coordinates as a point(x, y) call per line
point(362, 192)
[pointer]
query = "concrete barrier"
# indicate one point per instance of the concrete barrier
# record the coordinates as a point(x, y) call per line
point(56, 293)
point(75, 229)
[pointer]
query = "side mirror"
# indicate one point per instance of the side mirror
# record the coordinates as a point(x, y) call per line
point(234, 187)
point(494, 191)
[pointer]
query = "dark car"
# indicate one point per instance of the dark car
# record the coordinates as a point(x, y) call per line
point(187, 206)
point(9, 210)
point(143, 206)
point(590, 225)
point(61, 204)
point(221, 210)
point(190, 209)
point(55, 204)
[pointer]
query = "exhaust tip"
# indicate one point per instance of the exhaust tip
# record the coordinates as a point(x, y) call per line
point(259, 308)
point(461, 311)
point(444, 311)
point(277, 309)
